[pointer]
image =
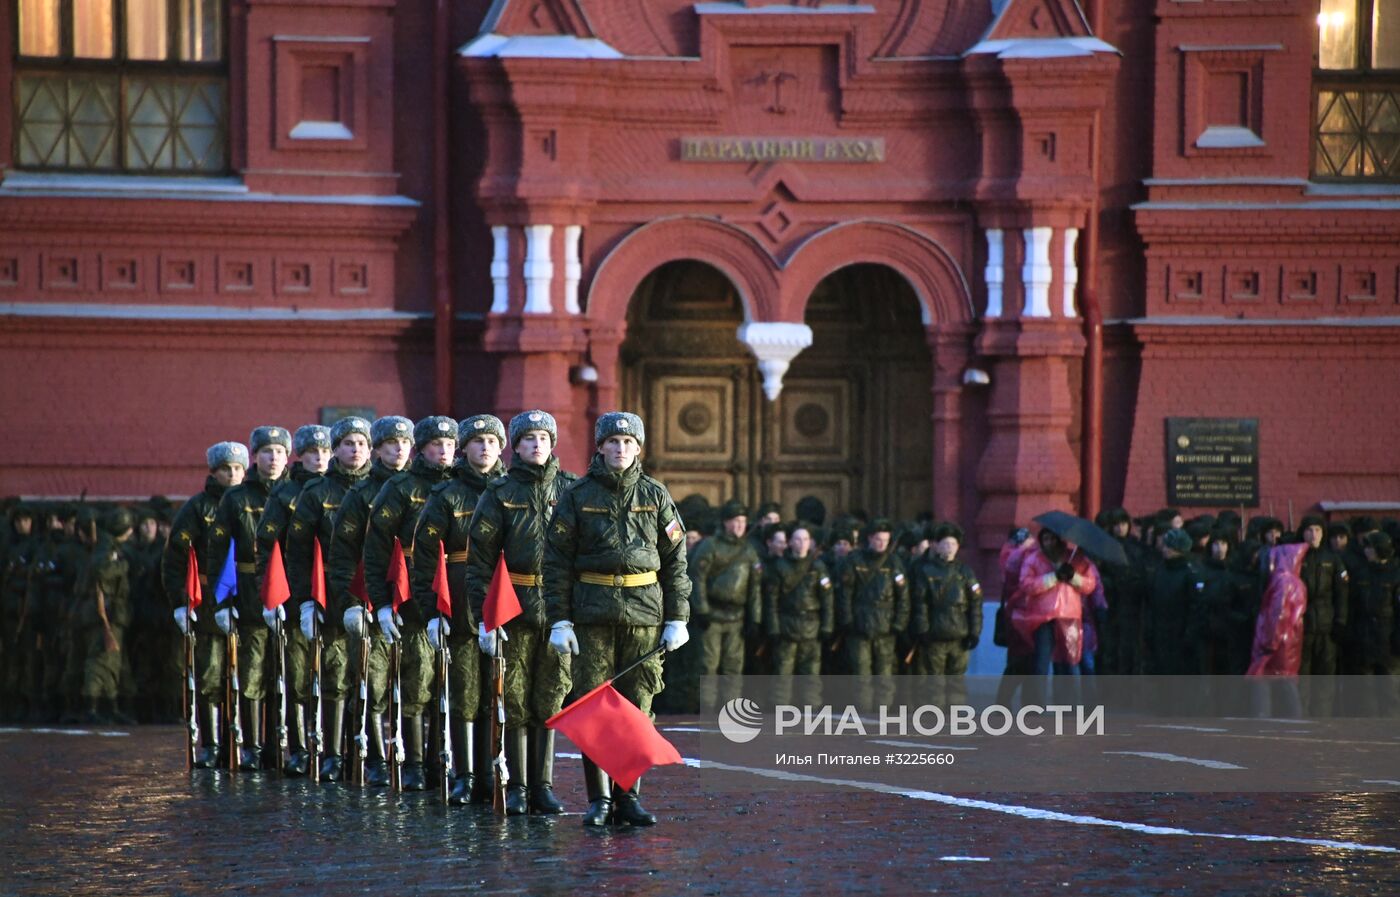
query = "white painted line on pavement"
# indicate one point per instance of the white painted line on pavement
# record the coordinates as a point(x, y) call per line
point(965, 859)
point(20, 730)
point(1029, 812)
point(924, 747)
point(1380, 782)
point(1177, 758)
point(1181, 728)
point(1268, 719)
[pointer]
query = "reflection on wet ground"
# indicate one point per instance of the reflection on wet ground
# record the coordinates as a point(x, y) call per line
point(105, 814)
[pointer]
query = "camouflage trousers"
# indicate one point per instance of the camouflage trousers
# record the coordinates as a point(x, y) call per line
point(537, 676)
point(466, 670)
point(417, 671)
point(800, 658)
point(872, 659)
point(253, 647)
point(102, 669)
point(945, 663)
point(604, 649)
point(378, 668)
point(210, 664)
point(721, 654)
point(299, 664)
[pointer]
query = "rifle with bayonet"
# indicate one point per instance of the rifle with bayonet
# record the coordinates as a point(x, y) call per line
point(231, 693)
point(444, 658)
point(279, 645)
point(396, 755)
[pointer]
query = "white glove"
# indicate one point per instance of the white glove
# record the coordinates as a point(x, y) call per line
point(183, 618)
point(310, 614)
point(271, 617)
point(225, 619)
point(486, 638)
point(438, 630)
point(674, 635)
point(356, 626)
point(389, 623)
point(562, 638)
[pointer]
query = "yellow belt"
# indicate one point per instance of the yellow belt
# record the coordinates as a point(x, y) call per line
point(527, 579)
point(457, 557)
point(247, 568)
point(620, 580)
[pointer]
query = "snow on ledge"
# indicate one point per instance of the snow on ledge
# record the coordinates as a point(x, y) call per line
point(537, 46)
point(1041, 47)
point(1228, 137)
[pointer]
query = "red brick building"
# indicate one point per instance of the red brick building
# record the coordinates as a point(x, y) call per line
point(958, 256)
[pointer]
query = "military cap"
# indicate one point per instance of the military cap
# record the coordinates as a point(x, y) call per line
point(437, 426)
point(221, 453)
point(946, 531)
point(1311, 520)
point(310, 436)
point(1363, 524)
point(21, 509)
point(769, 507)
point(879, 525)
point(1381, 544)
point(262, 437)
point(526, 421)
point(481, 425)
point(347, 425)
point(1226, 534)
point(1338, 529)
point(811, 509)
point(731, 509)
point(391, 427)
point(619, 423)
point(117, 521)
point(1177, 540)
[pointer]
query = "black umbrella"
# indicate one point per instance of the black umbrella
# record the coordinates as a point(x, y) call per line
point(1085, 534)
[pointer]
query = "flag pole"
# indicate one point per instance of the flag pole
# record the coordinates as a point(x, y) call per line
point(638, 662)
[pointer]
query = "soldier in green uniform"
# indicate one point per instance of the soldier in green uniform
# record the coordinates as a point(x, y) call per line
point(15, 572)
point(68, 639)
point(444, 526)
point(947, 614)
point(394, 514)
point(228, 462)
point(615, 584)
point(726, 599)
point(156, 667)
point(236, 524)
point(512, 519)
point(313, 524)
point(798, 611)
point(101, 616)
point(312, 446)
point(392, 440)
point(872, 606)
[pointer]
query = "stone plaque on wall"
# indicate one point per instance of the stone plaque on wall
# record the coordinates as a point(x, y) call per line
point(1213, 461)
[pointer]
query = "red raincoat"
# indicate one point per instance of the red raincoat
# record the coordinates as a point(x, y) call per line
point(1278, 633)
point(1011, 558)
point(1038, 602)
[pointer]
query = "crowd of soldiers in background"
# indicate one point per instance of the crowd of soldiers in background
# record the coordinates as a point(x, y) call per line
point(855, 595)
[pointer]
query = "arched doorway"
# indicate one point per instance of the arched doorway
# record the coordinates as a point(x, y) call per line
point(852, 425)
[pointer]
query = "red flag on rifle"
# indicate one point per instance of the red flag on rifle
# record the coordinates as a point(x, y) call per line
point(357, 587)
point(440, 588)
point(192, 587)
point(615, 734)
point(501, 604)
point(318, 574)
point(275, 590)
point(398, 577)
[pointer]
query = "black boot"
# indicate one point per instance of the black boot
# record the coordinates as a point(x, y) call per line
point(541, 778)
point(464, 761)
point(485, 763)
point(332, 726)
point(298, 760)
point(628, 810)
point(412, 774)
point(208, 755)
point(93, 715)
point(376, 767)
point(599, 788)
point(250, 758)
point(517, 803)
point(120, 713)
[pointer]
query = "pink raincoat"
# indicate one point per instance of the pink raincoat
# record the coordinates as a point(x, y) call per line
point(1038, 602)
point(1011, 558)
point(1278, 633)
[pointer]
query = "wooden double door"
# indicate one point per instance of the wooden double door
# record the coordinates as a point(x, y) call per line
point(852, 426)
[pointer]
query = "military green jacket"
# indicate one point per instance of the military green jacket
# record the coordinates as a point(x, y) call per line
point(236, 521)
point(798, 599)
point(314, 519)
point(14, 576)
point(512, 518)
point(348, 543)
point(57, 562)
point(947, 600)
point(726, 581)
point(395, 514)
point(445, 523)
point(1172, 594)
point(872, 594)
point(616, 523)
point(277, 515)
point(190, 529)
point(106, 571)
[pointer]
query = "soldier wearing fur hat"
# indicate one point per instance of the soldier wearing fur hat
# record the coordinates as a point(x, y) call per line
point(726, 598)
point(312, 446)
point(947, 613)
point(615, 586)
point(391, 439)
point(394, 515)
point(101, 615)
point(1377, 642)
point(1324, 573)
point(872, 602)
point(236, 528)
point(512, 521)
point(444, 527)
point(311, 529)
point(798, 607)
point(1175, 586)
point(15, 570)
point(228, 463)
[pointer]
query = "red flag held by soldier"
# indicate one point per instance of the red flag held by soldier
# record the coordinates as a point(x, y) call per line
point(615, 734)
point(318, 575)
point(501, 605)
point(357, 586)
point(398, 577)
point(440, 588)
point(192, 588)
point(275, 590)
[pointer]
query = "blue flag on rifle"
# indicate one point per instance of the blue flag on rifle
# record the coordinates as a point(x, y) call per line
point(228, 577)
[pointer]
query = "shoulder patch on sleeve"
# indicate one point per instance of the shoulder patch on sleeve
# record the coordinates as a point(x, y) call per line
point(674, 531)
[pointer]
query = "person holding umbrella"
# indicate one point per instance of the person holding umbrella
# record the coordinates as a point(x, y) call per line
point(1054, 578)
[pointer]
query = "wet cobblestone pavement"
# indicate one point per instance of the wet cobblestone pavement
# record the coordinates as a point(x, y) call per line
point(117, 814)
